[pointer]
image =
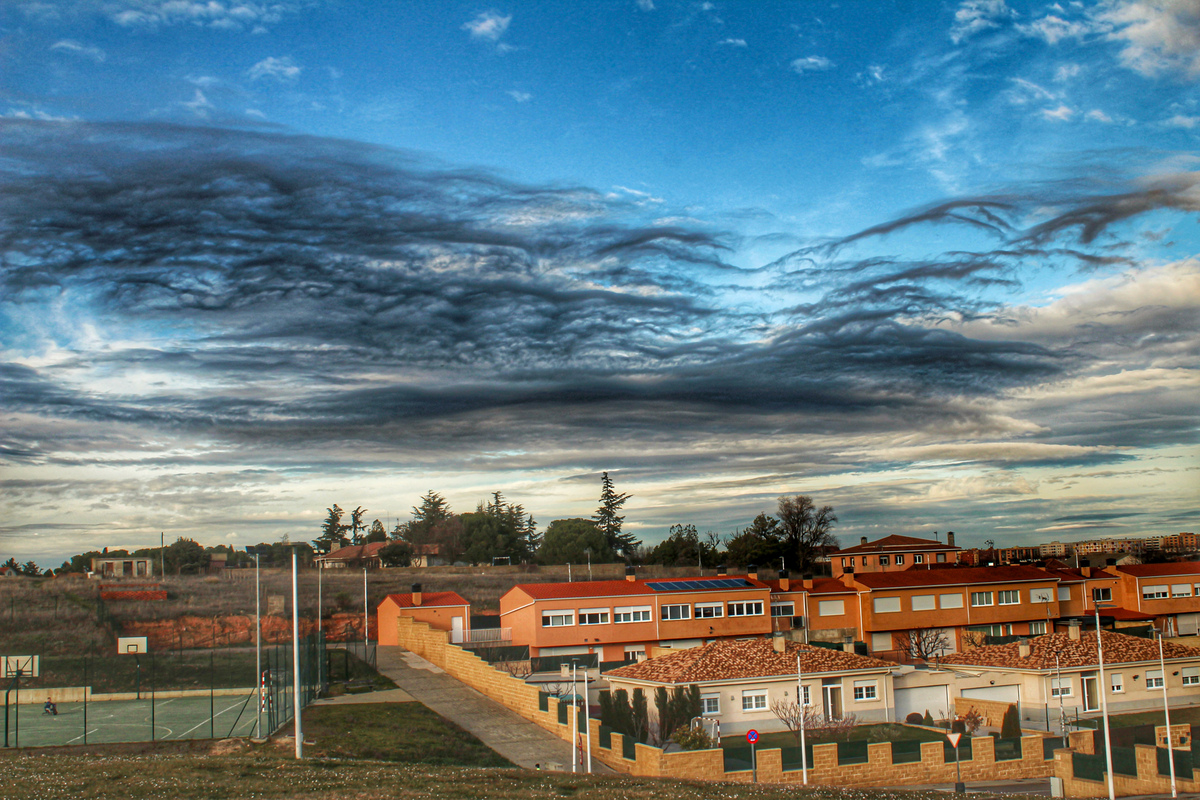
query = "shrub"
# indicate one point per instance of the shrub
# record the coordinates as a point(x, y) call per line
point(927, 719)
point(1010, 728)
point(693, 738)
point(914, 719)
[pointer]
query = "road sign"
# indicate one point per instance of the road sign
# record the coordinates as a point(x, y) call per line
point(954, 738)
point(751, 736)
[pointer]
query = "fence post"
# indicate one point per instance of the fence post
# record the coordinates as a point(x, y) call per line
point(211, 701)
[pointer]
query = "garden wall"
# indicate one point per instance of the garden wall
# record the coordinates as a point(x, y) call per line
point(1140, 770)
point(644, 760)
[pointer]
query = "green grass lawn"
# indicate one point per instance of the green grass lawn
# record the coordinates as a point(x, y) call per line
point(268, 774)
point(1179, 716)
point(407, 732)
point(885, 732)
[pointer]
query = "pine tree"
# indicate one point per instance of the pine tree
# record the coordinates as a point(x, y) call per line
point(333, 531)
point(609, 522)
point(356, 525)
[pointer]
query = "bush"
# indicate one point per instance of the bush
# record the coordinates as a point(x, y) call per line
point(914, 719)
point(927, 719)
point(693, 738)
point(1010, 728)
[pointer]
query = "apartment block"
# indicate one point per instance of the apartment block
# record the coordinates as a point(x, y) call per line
point(893, 554)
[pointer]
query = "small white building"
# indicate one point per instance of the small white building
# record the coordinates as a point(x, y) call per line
point(740, 679)
point(123, 567)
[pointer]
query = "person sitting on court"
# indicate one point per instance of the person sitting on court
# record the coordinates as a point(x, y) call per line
point(50, 707)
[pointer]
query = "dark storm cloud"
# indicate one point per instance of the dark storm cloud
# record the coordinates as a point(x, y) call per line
point(326, 291)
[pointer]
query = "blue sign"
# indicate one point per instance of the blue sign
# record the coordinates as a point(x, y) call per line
point(751, 736)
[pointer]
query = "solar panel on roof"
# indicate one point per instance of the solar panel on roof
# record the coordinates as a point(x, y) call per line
point(692, 586)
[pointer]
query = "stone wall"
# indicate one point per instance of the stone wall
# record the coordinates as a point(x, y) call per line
point(1148, 781)
point(992, 711)
point(434, 646)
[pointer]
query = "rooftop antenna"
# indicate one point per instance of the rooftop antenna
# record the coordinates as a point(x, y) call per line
point(936, 538)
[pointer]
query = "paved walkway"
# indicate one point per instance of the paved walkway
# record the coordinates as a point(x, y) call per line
point(512, 736)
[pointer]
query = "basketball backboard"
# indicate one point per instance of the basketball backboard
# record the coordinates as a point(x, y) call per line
point(19, 666)
point(131, 645)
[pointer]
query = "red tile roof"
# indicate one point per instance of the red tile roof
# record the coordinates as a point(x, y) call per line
point(747, 659)
point(894, 544)
point(354, 552)
point(1118, 649)
point(820, 586)
point(1180, 568)
point(583, 589)
point(428, 599)
point(954, 576)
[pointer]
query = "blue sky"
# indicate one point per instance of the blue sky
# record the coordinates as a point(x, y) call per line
point(933, 264)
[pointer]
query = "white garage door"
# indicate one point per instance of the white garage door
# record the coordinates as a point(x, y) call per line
point(1005, 694)
point(919, 699)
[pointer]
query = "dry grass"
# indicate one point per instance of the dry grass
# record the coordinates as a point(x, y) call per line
point(48, 616)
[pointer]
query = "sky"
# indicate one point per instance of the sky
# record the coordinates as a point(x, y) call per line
point(933, 264)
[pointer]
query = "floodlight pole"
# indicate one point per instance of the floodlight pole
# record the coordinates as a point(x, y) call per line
point(258, 647)
point(1112, 792)
point(366, 618)
point(574, 718)
point(1167, 713)
point(297, 728)
point(800, 703)
point(587, 720)
point(320, 572)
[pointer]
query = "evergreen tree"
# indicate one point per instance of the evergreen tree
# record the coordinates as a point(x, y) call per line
point(333, 531)
point(356, 525)
point(609, 521)
point(377, 533)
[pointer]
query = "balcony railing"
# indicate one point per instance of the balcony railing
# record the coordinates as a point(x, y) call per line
point(482, 637)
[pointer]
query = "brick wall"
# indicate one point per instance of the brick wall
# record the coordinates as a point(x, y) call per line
point(992, 711)
point(1148, 781)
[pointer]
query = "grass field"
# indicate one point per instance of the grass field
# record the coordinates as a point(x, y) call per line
point(1179, 716)
point(269, 775)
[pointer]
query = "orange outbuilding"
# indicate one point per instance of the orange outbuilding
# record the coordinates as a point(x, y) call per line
point(446, 611)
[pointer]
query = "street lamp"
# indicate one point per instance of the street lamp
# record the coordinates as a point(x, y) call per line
point(1112, 792)
point(1167, 711)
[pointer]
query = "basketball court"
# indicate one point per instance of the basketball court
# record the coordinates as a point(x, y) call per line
point(133, 721)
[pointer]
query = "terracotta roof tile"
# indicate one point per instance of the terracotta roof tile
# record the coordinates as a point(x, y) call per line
point(1180, 568)
point(354, 552)
point(743, 660)
point(955, 576)
point(1118, 649)
point(428, 599)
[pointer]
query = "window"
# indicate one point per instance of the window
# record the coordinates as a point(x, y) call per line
point(1117, 682)
point(709, 610)
point(1102, 595)
point(1009, 597)
point(919, 558)
point(981, 599)
point(1060, 687)
point(633, 652)
point(886, 605)
point(593, 616)
point(950, 600)
point(754, 700)
point(749, 608)
point(1154, 679)
point(1037, 628)
point(1181, 590)
point(806, 698)
point(831, 608)
point(557, 619)
point(1191, 676)
point(1154, 592)
point(851, 561)
point(1064, 594)
point(924, 602)
point(677, 612)
point(883, 561)
point(881, 641)
point(783, 609)
point(899, 560)
point(1040, 595)
point(865, 690)
point(710, 704)
point(843, 563)
point(999, 629)
point(865, 562)
point(632, 614)
point(941, 558)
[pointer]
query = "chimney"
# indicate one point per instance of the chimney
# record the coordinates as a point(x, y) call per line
point(848, 577)
point(1073, 631)
point(1087, 571)
point(721, 571)
point(416, 590)
point(752, 572)
point(1024, 648)
point(784, 583)
point(950, 538)
point(848, 644)
point(808, 581)
point(862, 540)
point(778, 643)
point(630, 573)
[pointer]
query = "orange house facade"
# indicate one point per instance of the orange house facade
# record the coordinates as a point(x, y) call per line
point(446, 611)
point(1170, 592)
point(893, 554)
point(623, 620)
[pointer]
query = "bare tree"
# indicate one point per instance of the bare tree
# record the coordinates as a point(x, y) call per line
point(815, 722)
point(518, 669)
point(925, 643)
point(805, 530)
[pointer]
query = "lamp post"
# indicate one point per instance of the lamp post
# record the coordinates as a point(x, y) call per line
point(1167, 712)
point(258, 647)
point(800, 702)
point(1112, 792)
point(574, 717)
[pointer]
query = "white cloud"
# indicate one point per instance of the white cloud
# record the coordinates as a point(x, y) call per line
point(281, 69)
point(1061, 114)
point(1066, 71)
point(1054, 29)
point(219, 14)
point(1181, 121)
point(645, 5)
point(733, 42)
point(975, 16)
point(1096, 115)
point(76, 49)
point(231, 536)
point(1023, 92)
point(811, 64)
point(1159, 35)
point(489, 25)
point(519, 96)
point(199, 105)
